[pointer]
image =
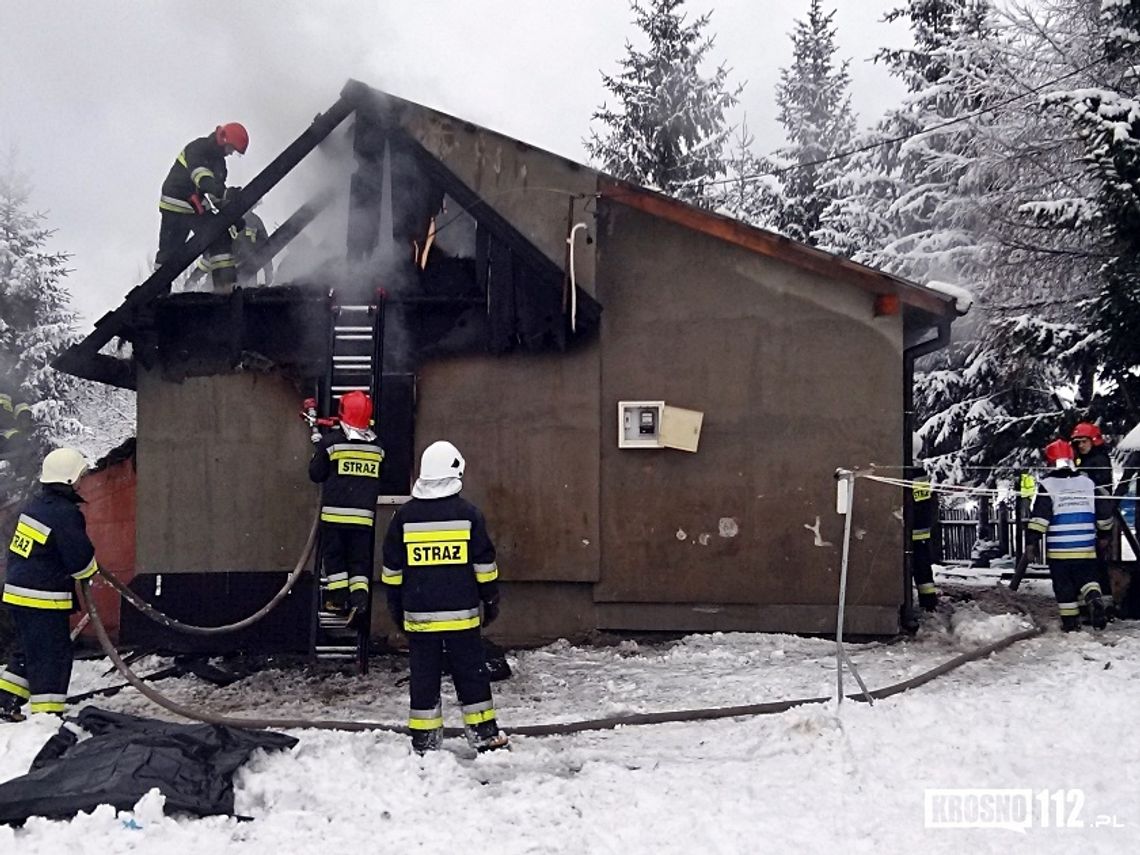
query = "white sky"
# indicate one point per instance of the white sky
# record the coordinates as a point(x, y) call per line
point(98, 97)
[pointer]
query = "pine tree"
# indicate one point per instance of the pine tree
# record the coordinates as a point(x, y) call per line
point(1106, 119)
point(746, 194)
point(36, 324)
point(669, 131)
point(815, 110)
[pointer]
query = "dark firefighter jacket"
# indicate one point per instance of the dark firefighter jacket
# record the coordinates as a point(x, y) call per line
point(49, 549)
point(1069, 510)
point(349, 472)
point(925, 508)
point(1097, 465)
point(439, 564)
point(200, 168)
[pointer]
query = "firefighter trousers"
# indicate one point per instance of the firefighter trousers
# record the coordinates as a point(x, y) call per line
point(346, 554)
point(175, 229)
point(462, 651)
point(39, 671)
point(923, 567)
point(1073, 580)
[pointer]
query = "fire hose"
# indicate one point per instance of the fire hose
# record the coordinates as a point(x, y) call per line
point(158, 617)
point(553, 729)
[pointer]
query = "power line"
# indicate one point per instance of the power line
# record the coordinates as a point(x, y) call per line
point(843, 155)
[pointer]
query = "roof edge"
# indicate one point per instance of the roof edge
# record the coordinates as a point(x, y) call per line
point(775, 246)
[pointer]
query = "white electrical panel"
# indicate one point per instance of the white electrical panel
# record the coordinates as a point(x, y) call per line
point(652, 424)
point(639, 424)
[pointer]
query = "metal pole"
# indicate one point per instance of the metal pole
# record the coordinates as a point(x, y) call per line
point(841, 657)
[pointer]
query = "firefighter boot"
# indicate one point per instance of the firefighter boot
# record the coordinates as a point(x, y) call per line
point(1097, 615)
point(336, 601)
point(10, 708)
point(1070, 623)
point(424, 741)
point(486, 736)
point(929, 602)
point(224, 279)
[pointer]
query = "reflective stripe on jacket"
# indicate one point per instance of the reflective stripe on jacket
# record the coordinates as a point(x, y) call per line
point(48, 551)
point(439, 564)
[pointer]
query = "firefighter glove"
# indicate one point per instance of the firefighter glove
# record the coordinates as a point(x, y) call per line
point(490, 611)
point(1033, 549)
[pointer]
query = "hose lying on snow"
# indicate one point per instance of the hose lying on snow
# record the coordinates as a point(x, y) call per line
point(555, 729)
point(158, 617)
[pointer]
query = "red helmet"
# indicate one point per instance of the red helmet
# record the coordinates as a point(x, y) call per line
point(1087, 430)
point(232, 133)
point(356, 410)
point(1060, 453)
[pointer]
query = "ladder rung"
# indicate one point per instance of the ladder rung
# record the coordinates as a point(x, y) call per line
point(353, 329)
point(354, 308)
point(351, 388)
point(353, 337)
point(350, 358)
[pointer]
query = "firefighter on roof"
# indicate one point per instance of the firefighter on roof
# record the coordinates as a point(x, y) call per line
point(1069, 514)
point(347, 465)
point(195, 189)
point(439, 568)
point(49, 550)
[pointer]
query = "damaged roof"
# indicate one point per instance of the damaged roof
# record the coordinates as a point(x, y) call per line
point(925, 307)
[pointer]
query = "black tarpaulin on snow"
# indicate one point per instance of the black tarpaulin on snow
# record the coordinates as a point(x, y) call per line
point(191, 764)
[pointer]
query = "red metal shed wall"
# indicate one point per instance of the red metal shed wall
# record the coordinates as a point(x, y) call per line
point(110, 513)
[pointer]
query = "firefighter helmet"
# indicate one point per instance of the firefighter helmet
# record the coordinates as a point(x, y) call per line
point(441, 460)
point(356, 410)
point(63, 466)
point(1060, 453)
point(1089, 431)
point(232, 133)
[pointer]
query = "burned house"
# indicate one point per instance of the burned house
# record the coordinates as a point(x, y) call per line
point(653, 399)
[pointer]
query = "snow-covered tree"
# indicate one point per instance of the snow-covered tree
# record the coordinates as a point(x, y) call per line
point(815, 110)
point(36, 324)
point(668, 128)
point(746, 193)
point(1102, 213)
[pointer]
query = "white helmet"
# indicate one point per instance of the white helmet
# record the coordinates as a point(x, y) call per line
point(441, 460)
point(63, 466)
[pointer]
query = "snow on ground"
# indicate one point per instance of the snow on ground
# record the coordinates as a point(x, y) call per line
point(1055, 714)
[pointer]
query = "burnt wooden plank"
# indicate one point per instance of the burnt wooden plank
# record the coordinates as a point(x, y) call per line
point(501, 296)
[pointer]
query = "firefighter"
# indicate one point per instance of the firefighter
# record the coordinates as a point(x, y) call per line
point(247, 241)
point(1091, 458)
point(923, 517)
point(347, 465)
point(49, 550)
point(1070, 514)
point(439, 569)
point(194, 189)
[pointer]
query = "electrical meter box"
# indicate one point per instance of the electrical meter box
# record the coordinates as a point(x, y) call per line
point(653, 424)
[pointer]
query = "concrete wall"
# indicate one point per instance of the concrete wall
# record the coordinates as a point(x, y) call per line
point(222, 474)
point(528, 427)
point(795, 377)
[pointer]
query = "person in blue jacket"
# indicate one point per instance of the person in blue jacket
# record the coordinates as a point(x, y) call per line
point(49, 551)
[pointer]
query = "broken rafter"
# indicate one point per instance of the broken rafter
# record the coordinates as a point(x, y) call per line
point(84, 360)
